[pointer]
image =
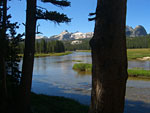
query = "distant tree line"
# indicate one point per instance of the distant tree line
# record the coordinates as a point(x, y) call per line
point(138, 42)
point(82, 46)
point(135, 42)
point(44, 46)
point(55, 46)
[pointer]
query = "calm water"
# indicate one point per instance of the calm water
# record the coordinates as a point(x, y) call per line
point(55, 76)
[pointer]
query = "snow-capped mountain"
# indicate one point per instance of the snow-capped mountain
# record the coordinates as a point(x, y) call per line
point(65, 35)
point(41, 37)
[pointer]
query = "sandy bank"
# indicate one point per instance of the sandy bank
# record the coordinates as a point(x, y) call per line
point(144, 58)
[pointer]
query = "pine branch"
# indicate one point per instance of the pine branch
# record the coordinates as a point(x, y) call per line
point(91, 14)
point(63, 3)
point(52, 16)
point(94, 18)
point(91, 19)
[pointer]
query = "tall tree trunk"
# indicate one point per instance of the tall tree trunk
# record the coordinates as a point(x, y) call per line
point(3, 51)
point(109, 71)
point(3, 88)
point(28, 60)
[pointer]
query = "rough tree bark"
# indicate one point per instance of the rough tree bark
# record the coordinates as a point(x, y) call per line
point(109, 71)
point(28, 59)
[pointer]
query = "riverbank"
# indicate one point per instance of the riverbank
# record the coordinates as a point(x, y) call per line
point(83, 50)
point(133, 54)
point(55, 76)
point(54, 104)
point(82, 67)
point(139, 73)
point(138, 54)
point(85, 67)
point(50, 54)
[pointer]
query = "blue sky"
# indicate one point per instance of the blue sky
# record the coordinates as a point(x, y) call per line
point(137, 14)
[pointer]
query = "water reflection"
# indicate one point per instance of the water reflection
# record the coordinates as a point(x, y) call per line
point(55, 76)
point(139, 64)
point(83, 73)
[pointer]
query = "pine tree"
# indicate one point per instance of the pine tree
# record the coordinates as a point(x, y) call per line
point(3, 20)
point(33, 14)
point(12, 58)
point(8, 56)
point(43, 46)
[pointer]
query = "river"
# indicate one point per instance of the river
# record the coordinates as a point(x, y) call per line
point(54, 76)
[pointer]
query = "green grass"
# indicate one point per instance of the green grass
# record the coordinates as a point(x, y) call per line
point(132, 72)
point(76, 60)
point(53, 104)
point(133, 54)
point(138, 73)
point(50, 54)
point(82, 67)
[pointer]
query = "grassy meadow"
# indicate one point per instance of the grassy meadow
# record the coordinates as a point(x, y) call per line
point(132, 54)
point(50, 54)
point(82, 66)
point(138, 73)
point(132, 72)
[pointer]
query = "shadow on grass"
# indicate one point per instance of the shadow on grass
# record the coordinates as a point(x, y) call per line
point(53, 104)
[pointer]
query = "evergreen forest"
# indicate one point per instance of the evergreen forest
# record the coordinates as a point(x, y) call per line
point(44, 46)
point(56, 46)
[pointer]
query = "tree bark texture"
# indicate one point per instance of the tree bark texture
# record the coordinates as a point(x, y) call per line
point(28, 59)
point(109, 58)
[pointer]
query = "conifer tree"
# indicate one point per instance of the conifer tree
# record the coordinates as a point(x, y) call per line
point(34, 13)
point(3, 19)
point(8, 55)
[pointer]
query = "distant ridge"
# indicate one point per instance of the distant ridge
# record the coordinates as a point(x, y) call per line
point(65, 35)
point(138, 31)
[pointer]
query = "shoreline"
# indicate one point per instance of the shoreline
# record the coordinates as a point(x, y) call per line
point(86, 68)
point(133, 54)
point(50, 54)
point(139, 78)
point(58, 104)
point(144, 58)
